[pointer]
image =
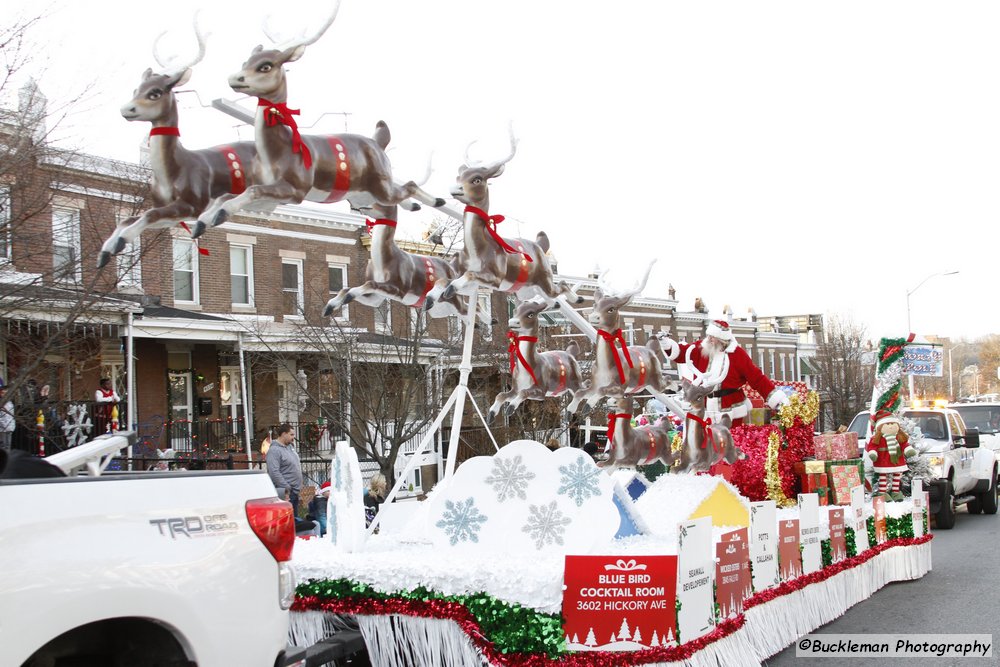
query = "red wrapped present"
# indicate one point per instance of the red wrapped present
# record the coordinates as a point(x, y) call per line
point(834, 446)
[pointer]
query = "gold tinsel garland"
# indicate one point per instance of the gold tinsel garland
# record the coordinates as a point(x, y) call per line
point(772, 477)
point(676, 443)
point(807, 410)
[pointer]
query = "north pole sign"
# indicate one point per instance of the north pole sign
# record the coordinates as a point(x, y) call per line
point(612, 603)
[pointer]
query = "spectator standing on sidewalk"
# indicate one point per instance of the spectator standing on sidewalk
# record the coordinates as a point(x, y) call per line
point(284, 467)
point(317, 507)
point(106, 398)
point(7, 421)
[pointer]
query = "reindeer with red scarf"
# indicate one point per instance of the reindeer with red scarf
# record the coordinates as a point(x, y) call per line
point(517, 266)
point(291, 168)
point(535, 375)
point(619, 368)
point(183, 182)
point(705, 443)
point(638, 446)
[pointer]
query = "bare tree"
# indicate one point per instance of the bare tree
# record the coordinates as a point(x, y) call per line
point(846, 374)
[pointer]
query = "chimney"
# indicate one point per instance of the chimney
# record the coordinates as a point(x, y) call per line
point(32, 107)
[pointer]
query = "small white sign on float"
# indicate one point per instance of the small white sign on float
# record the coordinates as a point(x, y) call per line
point(345, 510)
point(525, 498)
point(917, 496)
point(812, 552)
point(764, 544)
point(695, 576)
point(858, 522)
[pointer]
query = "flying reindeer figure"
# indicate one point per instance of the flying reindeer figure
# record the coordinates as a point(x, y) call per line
point(395, 274)
point(705, 443)
point(290, 167)
point(635, 446)
point(518, 266)
point(619, 368)
point(183, 182)
point(535, 375)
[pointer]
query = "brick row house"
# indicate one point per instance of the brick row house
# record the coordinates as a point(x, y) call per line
point(225, 336)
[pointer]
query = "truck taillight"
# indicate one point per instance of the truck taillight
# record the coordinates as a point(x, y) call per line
point(272, 521)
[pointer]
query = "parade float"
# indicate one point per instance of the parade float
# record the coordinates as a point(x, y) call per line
point(759, 533)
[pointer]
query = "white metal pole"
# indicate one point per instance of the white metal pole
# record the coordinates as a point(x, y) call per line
point(131, 406)
point(247, 420)
point(463, 382)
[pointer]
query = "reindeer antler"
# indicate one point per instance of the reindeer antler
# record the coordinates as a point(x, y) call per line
point(469, 162)
point(169, 66)
point(640, 285)
point(302, 39)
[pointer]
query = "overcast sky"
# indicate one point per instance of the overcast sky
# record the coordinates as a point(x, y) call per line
point(787, 156)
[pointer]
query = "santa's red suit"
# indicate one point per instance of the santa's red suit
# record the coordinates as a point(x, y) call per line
point(734, 366)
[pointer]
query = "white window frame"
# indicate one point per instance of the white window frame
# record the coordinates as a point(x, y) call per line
point(484, 302)
point(248, 249)
point(5, 231)
point(195, 287)
point(344, 312)
point(300, 293)
point(69, 236)
point(129, 264)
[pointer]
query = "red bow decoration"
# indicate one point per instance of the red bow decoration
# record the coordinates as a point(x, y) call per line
point(709, 435)
point(371, 224)
point(515, 353)
point(613, 418)
point(491, 227)
point(168, 131)
point(611, 338)
point(280, 113)
point(201, 251)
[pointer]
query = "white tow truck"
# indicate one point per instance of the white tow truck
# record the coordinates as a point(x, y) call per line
point(151, 568)
point(962, 472)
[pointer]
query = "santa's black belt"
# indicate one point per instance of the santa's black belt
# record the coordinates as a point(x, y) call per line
point(719, 393)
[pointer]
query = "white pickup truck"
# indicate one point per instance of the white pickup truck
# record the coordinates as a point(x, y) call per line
point(188, 568)
point(963, 473)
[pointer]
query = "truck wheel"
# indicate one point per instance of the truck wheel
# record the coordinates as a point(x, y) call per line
point(974, 506)
point(945, 518)
point(987, 500)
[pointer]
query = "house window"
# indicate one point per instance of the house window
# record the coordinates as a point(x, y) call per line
point(129, 268)
point(185, 271)
point(291, 287)
point(338, 280)
point(65, 244)
point(485, 306)
point(241, 274)
point(5, 234)
point(383, 317)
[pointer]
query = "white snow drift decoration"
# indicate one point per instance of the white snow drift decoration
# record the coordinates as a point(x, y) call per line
point(345, 508)
point(525, 498)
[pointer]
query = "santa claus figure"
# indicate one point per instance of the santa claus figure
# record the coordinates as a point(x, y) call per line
point(718, 359)
point(888, 450)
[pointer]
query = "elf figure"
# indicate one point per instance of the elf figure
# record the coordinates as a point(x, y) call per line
point(888, 449)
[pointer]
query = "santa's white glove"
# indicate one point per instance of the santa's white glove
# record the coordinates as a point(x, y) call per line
point(776, 399)
point(909, 452)
point(873, 455)
point(670, 348)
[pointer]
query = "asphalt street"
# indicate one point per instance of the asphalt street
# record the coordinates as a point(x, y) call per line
point(961, 595)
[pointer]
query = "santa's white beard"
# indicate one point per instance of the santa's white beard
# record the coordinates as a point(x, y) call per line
point(712, 347)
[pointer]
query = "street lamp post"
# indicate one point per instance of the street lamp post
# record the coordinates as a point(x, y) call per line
point(909, 325)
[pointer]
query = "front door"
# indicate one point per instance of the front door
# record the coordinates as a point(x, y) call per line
point(181, 410)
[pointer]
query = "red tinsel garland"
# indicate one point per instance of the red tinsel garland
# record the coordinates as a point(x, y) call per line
point(749, 473)
point(458, 613)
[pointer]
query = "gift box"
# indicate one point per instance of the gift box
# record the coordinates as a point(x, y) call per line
point(814, 482)
point(844, 475)
point(834, 446)
point(809, 467)
point(757, 417)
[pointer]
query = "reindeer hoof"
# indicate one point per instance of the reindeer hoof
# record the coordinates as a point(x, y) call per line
point(490, 418)
point(328, 311)
point(508, 410)
point(103, 258)
point(428, 303)
point(448, 293)
point(198, 229)
point(219, 218)
point(438, 202)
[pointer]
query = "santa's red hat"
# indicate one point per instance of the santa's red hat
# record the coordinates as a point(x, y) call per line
point(719, 329)
point(883, 417)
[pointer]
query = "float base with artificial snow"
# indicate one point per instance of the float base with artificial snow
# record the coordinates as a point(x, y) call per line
point(477, 574)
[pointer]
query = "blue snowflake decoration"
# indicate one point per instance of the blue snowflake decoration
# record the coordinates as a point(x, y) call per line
point(461, 521)
point(579, 481)
point(546, 524)
point(509, 478)
point(338, 482)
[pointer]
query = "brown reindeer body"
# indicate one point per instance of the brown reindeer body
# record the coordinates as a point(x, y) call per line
point(518, 266)
point(705, 443)
point(535, 375)
point(184, 182)
point(394, 274)
point(619, 368)
point(291, 168)
point(638, 446)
